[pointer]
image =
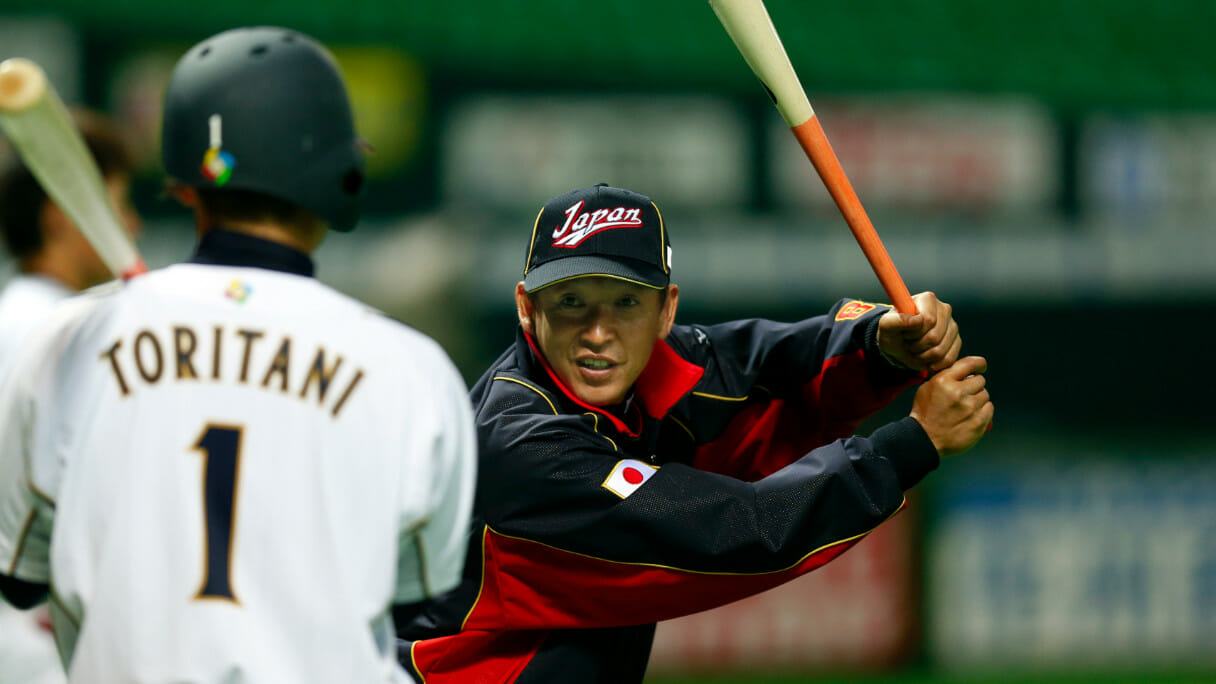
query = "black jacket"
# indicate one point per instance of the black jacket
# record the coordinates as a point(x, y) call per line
point(731, 470)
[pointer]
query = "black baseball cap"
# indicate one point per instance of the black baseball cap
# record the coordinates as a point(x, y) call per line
point(599, 231)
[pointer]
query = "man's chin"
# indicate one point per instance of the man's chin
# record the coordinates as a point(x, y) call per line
point(597, 396)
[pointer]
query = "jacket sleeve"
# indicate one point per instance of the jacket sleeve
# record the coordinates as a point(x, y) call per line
point(774, 391)
point(562, 549)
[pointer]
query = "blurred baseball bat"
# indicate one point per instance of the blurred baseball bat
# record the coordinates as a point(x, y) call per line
point(749, 26)
point(43, 133)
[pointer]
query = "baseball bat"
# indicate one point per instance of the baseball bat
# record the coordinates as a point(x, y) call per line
point(43, 133)
point(753, 33)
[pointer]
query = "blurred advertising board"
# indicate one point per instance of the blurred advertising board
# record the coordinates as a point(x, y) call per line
point(1099, 557)
point(931, 153)
point(1149, 167)
point(514, 152)
point(856, 613)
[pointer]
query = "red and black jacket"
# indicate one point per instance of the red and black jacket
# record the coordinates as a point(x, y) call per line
point(759, 480)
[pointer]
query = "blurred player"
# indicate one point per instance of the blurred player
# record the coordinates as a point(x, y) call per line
point(633, 470)
point(243, 469)
point(54, 261)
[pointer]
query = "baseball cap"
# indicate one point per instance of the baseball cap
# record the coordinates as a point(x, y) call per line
point(598, 231)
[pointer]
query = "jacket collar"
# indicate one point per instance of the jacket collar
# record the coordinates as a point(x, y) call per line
point(666, 378)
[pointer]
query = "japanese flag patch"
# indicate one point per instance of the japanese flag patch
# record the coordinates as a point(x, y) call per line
point(627, 476)
point(853, 309)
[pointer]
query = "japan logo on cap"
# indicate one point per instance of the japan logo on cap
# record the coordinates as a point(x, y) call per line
point(627, 476)
point(580, 225)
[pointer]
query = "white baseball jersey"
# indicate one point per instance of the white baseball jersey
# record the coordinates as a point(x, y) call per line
point(27, 651)
point(25, 302)
point(230, 474)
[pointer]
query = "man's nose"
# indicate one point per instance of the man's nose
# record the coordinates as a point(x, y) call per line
point(599, 329)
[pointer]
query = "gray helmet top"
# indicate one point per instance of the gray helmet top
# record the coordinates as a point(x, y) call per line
point(265, 109)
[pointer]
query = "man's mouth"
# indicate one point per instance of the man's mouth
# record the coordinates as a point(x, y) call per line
point(595, 364)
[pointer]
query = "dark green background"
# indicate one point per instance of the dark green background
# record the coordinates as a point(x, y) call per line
point(1069, 53)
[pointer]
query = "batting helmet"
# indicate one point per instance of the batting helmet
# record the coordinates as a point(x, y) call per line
point(265, 109)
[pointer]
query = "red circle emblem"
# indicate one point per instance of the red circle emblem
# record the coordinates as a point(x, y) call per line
point(632, 475)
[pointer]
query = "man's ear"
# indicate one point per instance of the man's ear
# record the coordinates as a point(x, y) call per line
point(668, 315)
point(185, 194)
point(523, 307)
point(188, 197)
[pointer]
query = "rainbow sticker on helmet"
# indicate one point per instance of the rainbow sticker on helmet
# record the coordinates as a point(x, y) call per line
point(217, 164)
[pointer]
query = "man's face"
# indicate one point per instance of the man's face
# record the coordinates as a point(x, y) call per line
point(597, 333)
point(87, 268)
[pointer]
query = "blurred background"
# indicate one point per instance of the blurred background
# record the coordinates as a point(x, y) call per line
point(1049, 168)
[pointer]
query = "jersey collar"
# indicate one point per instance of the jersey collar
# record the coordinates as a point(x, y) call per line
point(221, 247)
point(666, 378)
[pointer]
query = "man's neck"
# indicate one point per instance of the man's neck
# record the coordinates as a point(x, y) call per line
point(58, 270)
point(222, 247)
point(294, 238)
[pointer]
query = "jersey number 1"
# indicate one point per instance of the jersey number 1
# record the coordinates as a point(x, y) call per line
point(221, 449)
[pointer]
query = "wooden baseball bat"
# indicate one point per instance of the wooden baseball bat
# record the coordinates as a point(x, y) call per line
point(752, 30)
point(43, 133)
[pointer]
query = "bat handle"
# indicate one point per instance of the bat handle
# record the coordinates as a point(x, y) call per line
point(815, 143)
point(136, 269)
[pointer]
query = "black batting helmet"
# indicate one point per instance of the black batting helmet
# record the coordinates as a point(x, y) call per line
point(265, 109)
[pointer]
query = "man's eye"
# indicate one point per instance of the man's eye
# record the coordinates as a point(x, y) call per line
point(629, 301)
point(568, 300)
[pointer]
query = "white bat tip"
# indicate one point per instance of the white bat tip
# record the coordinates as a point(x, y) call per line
point(22, 84)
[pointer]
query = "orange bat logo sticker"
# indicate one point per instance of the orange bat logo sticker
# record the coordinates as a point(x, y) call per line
point(854, 309)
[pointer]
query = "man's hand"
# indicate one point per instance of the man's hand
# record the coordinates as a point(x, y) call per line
point(953, 406)
point(927, 340)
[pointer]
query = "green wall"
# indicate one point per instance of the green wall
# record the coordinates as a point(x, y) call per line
point(1070, 53)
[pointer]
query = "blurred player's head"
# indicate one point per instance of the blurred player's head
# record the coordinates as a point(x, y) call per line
point(40, 235)
point(258, 129)
point(597, 294)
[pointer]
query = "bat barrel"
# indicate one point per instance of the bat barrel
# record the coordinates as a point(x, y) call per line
point(22, 84)
point(43, 133)
point(749, 26)
point(752, 31)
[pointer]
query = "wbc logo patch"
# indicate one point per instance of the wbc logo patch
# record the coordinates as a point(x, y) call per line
point(627, 476)
point(238, 291)
point(853, 309)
